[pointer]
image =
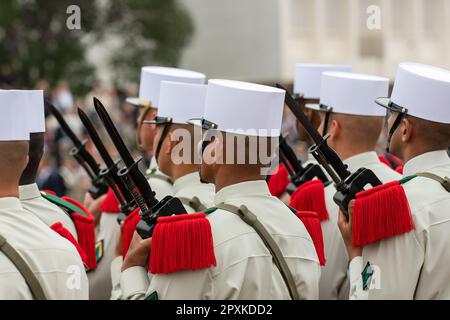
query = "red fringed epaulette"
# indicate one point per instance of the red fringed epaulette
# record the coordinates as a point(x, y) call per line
point(278, 181)
point(129, 226)
point(399, 169)
point(182, 242)
point(85, 226)
point(312, 224)
point(110, 204)
point(379, 213)
point(63, 232)
point(310, 196)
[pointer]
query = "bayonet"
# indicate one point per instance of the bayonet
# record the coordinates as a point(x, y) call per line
point(110, 172)
point(150, 207)
point(83, 157)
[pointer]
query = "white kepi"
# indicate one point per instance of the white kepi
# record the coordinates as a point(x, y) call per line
point(150, 83)
point(35, 111)
point(351, 93)
point(243, 108)
point(180, 102)
point(14, 124)
point(422, 91)
point(308, 78)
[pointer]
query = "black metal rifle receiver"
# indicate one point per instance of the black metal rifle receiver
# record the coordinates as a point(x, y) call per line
point(110, 172)
point(346, 183)
point(136, 182)
point(301, 174)
point(98, 186)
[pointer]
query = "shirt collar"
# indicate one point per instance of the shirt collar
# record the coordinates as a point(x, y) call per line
point(361, 160)
point(426, 161)
point(10, 203)
point(186, 181)
point(29, 191)
point(242, 190)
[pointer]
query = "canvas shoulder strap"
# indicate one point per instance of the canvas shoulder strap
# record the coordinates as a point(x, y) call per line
point(194, 203)
point(250, 218)
point(445, 182)
point(151, 173)
point(24, 269)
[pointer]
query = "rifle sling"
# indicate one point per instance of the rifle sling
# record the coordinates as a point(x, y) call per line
point(250, 218)
point(445, 182)
point(26, 272)
point(194, 203)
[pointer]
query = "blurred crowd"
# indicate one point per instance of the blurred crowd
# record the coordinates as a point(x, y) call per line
point(59, 171)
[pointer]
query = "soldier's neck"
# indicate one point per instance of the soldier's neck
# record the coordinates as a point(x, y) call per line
point(346, 152)
point(228, 175)
point(178, 171)
point(9, 191)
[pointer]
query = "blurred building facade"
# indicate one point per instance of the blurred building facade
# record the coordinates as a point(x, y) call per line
point(261, 40)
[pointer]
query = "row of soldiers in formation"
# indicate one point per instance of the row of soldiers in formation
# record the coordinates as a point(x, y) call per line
point(349, 226)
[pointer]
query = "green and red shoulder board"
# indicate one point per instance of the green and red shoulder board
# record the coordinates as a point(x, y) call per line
point(182, 242)
point(110, 204)
point(312, 224)
point(381, 212)
point(310, 196)
point(84, 225)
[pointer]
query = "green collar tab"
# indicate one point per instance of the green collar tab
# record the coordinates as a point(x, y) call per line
point(406, 179)
point(209, 210)
point(67, 206)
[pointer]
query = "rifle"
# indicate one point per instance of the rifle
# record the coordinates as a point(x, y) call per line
point(144, 196)
point(346, 183)
point(110, 172)
point(298, 174)
point(98, 185)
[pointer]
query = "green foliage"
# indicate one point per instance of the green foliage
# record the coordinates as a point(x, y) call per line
point(35, 41)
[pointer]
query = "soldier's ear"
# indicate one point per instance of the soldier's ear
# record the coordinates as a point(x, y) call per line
point(334, 128)
point(406, 129)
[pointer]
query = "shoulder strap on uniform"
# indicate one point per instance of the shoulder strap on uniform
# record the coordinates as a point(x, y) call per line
point(445, 182)
point(194, 203)
point(26, 272)
point(250, 218)
point(151, 174)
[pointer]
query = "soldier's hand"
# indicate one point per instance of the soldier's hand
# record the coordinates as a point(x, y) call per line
point(138, 253)
point(345, 226)
point(119, 241)
point(88, 200)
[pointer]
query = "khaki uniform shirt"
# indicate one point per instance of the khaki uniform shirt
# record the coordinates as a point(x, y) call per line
point(53, 259)
point(187, 186)
point(106, 236)
point(245, 269)
point(334, 282)
point(47, 212)
point(413, 265)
